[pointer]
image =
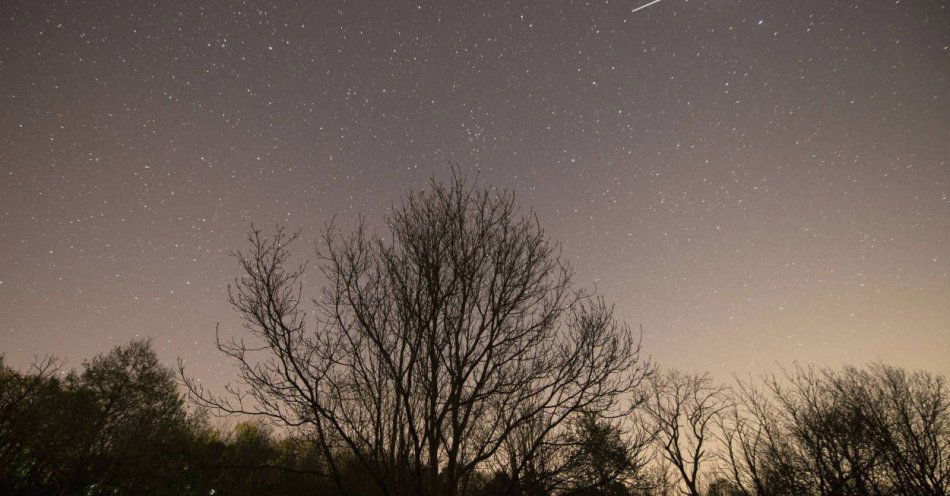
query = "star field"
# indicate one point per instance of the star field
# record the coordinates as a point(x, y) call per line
point(753, 182)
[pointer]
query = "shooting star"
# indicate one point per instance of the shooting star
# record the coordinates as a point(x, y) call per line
point(645, 6)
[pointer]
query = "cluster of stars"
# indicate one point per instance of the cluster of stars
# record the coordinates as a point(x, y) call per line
point(751, 181)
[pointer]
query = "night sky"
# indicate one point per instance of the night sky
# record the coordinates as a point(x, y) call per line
point(755, 182)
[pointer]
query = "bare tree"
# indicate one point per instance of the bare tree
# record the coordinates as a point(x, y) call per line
point(828, 437)
point(877, 430)
point(907, 416)
point(744, 432)
point(432, 346)
point(758, 454)
point(683, 409)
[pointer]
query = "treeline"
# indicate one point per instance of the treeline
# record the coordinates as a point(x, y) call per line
point(454, 355)
point(121, 426)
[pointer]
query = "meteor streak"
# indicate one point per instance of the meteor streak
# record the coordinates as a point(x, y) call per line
point(645, 6)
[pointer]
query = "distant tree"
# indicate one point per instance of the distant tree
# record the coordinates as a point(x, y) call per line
point(433, 345)
point(907, 416)
point(874, 431)
point(138, 420)
point(746, 431)
point(830, 444)
point(116, 427)
point(604, 459)
point(724, 487)
point(21, 396)
point(683, 410)
point(656, 480)
point(594, 457)
point(250, 462)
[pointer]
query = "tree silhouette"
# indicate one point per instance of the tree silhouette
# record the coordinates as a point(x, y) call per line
point(432, 346)
point(683, 410)
point(117, 426)
point(873, 431)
